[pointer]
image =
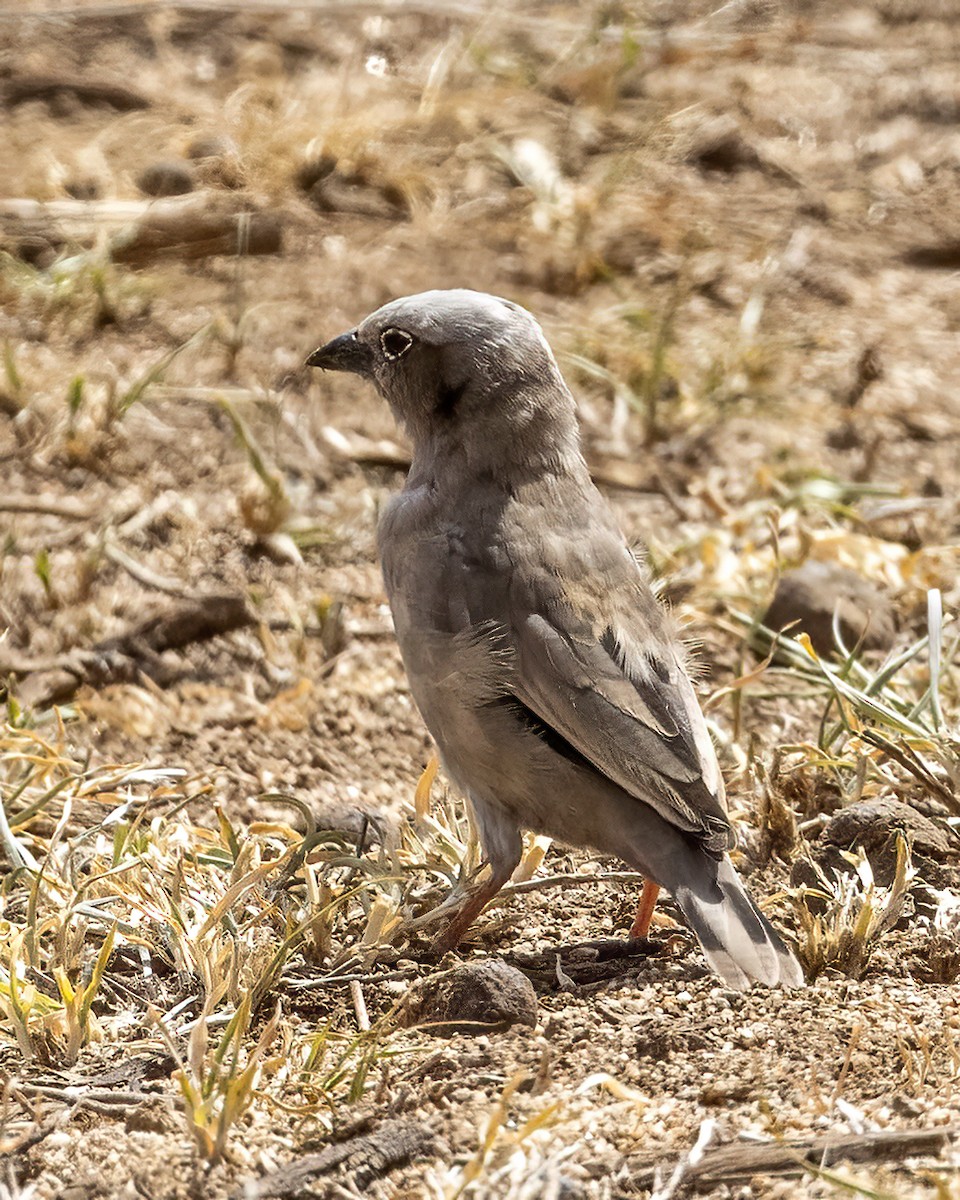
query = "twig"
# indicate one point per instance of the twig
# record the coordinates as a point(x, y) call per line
point(106, 1110)
point(359, 1006)
point(907, 757)
point(47, 506)
point(143, 574)
point(337, 8)
point(565, 881)
point(326, 980)
point(192, 226)
point(126, 656)
point(98, 92)
point(198, 233)
point(33, 1137)
point(148, 514)
point(730, 1164)
point(367, 1157)
point(618, 473)
point(72, 1093)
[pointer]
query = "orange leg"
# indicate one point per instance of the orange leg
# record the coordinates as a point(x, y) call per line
point(648, 902)
point(479, 894)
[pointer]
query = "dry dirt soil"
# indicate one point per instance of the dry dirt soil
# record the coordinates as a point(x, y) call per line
point(740, 229)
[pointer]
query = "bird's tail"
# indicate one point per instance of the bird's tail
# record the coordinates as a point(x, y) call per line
point(739, 942)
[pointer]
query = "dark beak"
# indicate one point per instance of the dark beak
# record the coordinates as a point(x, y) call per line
point(344, 353)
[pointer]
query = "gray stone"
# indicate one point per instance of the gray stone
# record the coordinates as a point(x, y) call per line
point(876, 825)
point(810, 594)
point(166, 179)
point(475, 998)
point(210, 145)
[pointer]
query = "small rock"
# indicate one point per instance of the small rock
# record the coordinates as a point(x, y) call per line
point(627, 245)
point(210, 145)
point(657, 1040)
point(217, 161)
point(661, 1038)
point(875, 826)
point(152, 1116)
point(572, 1189)
point(942, 255)
point(37, 245)
point(474, 998)
point(875, 823)
point(726, 153)
point(719, 145)
point(719, 1093)
point(313, 170)
point(166, 179)
point(83, 188)
point(812, 593)
point(845, 436)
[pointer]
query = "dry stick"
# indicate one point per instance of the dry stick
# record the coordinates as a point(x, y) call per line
point(366, 1157)
point(73, 1093)
point(564, 881)
point(129, 654)
point(359, 1006)
point(907, 757)
point(294, 985)
point(618, 473)
point(146, 514)
point(188, 227)
point(198, 234)
point(90, 213)
point(335, 8)
point(34, 1136)
point(49, 506)
point(12, 662)
point(21, 88)
point(730, 1164)
point(151, 579)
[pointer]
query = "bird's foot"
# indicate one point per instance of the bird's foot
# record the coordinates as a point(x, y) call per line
point(455, 929)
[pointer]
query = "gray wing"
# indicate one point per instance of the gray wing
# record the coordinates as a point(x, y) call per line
point(562, 620)
point(617, 692)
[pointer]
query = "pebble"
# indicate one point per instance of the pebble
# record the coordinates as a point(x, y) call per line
point(812, 592)
point(166, 179)
point(472, 999)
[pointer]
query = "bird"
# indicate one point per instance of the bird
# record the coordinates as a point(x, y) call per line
point(550, 677)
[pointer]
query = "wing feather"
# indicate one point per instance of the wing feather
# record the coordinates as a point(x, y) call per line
point(634, 717)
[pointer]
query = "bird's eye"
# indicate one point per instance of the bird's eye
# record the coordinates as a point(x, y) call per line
point(395, 343)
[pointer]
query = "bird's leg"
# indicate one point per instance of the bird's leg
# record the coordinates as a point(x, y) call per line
point(503, 847)
point(648, 902)
point(478, 897)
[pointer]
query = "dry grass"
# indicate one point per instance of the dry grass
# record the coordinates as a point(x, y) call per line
point(126, 920)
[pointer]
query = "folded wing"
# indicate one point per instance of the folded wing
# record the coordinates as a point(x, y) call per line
point(628, 707)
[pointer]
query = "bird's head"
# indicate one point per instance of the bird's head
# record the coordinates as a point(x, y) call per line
point(458, 366)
